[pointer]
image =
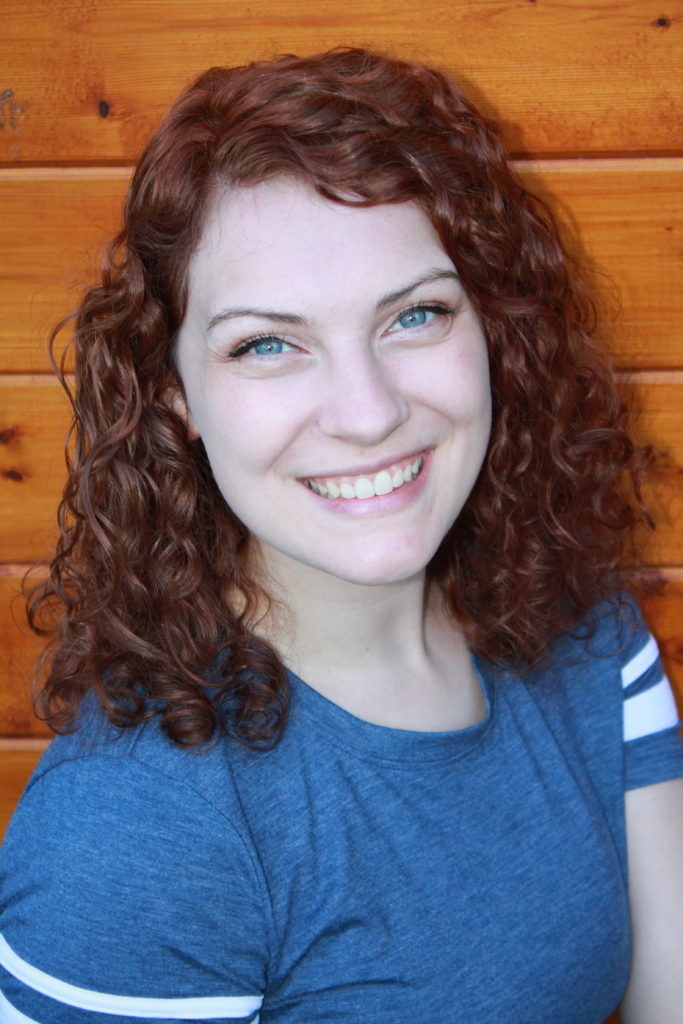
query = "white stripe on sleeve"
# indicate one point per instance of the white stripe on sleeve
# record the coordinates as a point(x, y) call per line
point(637, 666)
point(201, 1008)
point(650, 711)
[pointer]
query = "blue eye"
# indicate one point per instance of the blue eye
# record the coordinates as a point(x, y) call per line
point(423, 315)
point(266, 346)
point(414, 317)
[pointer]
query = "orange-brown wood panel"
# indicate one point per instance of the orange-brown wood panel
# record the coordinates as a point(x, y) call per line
point(19, 649)
point(625, 219)
point(86, 81)
point(625, 215)
point(34, 417)
point(34, 420)
point(52, 233)
point(659, 399)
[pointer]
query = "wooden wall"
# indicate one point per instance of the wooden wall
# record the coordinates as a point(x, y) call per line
point(590, 95)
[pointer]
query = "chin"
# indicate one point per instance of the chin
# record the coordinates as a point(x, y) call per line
point(367, 564)
point(377, 572)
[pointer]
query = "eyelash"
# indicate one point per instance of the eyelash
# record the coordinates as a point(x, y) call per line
point(437, 308)
point(424, 307)
point(245, 347)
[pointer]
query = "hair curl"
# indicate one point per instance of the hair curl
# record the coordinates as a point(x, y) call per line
point(149, 580)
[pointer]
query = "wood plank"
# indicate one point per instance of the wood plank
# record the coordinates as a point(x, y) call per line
point(657, 399)
point(52, 233)
point(19, 649)
point(34, 418)
point(625, 219)
point(31, 460)
point(626, 215)
point(86, 81)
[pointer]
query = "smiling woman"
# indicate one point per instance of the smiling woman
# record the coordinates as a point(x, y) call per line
point(359, 722)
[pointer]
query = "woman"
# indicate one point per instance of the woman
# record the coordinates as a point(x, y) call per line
point(339, 419)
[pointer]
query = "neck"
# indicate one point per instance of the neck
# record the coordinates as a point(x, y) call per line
point(318, 614)
point(387, 653)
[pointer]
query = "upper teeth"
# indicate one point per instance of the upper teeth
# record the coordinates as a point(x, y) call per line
point(361, 487)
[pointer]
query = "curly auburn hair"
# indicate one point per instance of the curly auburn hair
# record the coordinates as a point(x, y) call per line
point(149, 580)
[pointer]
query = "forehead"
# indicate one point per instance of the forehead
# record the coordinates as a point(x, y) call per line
point(281, 235)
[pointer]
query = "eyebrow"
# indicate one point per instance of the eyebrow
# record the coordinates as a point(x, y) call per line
point(293, 318)
point(264, 314)
point(433, 275)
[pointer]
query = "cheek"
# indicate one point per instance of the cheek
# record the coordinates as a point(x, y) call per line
point(249, 426)
point(455, 384)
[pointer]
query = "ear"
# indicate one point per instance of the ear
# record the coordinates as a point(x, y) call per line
point(176, 401)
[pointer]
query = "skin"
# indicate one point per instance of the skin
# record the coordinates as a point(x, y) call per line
point(654, 828)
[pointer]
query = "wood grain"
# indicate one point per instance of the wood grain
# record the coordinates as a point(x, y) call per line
point(52, 233)
point(624, 219)
point(86, 81)
point(657, 399)
point(34, 418)
point(626, 216)
point(19, 649)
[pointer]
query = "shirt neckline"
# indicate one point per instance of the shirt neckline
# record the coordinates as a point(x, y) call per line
point(383, 742)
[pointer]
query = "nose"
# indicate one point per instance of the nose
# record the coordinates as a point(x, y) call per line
point(361, 403)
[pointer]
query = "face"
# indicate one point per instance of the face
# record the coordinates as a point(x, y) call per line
point(338, 377)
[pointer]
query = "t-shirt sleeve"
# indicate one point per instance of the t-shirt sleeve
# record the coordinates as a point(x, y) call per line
point(126, 897)
point(653, 751)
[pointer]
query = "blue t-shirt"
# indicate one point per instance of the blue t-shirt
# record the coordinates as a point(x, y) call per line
point(353, 874)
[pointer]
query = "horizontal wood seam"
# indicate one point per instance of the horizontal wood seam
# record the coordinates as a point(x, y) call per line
point(20, 743)
point(673, 375)
point(560, 165)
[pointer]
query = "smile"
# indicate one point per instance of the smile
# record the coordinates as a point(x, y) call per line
point(363, 487)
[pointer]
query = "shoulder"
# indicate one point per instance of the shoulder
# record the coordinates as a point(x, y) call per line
point(608, 677)
point(140, 763)
point(608, 649)
point(135, 786)
point(120, 843)
point(609, 635)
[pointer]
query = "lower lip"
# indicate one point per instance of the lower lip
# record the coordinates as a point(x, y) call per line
point(381, 504)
